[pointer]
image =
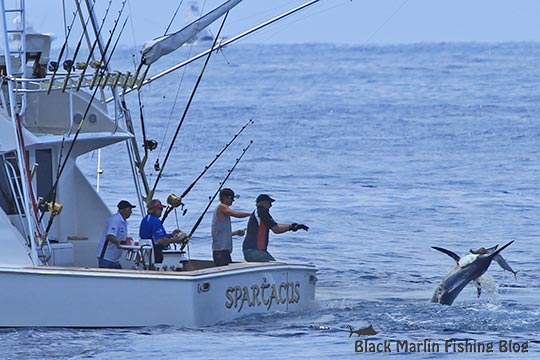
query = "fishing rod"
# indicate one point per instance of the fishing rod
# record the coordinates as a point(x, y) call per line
point(43, 205)
point(153, 144)
point(219, 46)
point(64, 46)
point(84, 65)
point(186, 241)
point(186, 109)
point(112, 53)
point(178, 201)
point(102, 65)
point(139, 163)
point(72, 62)
point(81, 122)
point(85, 28)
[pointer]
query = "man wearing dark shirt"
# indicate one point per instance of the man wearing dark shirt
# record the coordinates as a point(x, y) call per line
point(259, 225)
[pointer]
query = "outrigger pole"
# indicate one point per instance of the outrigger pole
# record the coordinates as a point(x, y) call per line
point(151, 194)
point(184, 244)
point(215, 47)
point(178, 201)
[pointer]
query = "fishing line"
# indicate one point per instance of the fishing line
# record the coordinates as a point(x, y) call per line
point(173, 107)
point(386, 21)
point(134, 48)
point(186, 109)
point(173, 17)
point(175, 99)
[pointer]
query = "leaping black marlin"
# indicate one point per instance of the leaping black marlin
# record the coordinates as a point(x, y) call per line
point(469, 268)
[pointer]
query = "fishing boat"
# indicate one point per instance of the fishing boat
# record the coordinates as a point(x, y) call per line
point(205, 36)
point(54, 109)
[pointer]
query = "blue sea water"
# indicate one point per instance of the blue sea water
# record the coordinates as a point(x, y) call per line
point(384, 151)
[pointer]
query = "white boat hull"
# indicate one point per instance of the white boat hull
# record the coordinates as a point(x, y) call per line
point(79, 297)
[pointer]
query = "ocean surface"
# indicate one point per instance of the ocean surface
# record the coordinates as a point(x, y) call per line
point(384, 151)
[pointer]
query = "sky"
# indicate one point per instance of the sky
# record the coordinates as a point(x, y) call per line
point(336, 21)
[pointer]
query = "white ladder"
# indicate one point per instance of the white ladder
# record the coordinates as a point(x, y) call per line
point(14, 23)
point(14, 30)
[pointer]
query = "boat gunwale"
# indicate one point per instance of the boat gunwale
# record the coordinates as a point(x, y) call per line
point(212, 272)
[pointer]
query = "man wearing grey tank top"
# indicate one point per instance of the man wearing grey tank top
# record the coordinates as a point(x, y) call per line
point(221, 228)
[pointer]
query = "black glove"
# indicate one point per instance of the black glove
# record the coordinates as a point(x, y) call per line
point(295, 227)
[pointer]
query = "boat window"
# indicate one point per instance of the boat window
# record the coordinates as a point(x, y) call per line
point(44, 174)
point(7, 202)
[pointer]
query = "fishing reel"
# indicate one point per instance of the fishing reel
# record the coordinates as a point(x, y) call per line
point(150, 145)
point(53, 66)
point(96, 64)
point(176, 201)
point(54, 208)
point(81, 65)
point(68, 65)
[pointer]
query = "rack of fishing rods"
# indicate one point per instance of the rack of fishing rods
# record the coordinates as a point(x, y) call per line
point(101, 76)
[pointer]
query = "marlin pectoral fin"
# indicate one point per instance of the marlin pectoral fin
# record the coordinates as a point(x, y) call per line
point(453, 255)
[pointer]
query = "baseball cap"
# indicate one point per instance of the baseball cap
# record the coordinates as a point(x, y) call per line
point(264, 197)
point(155, 203)
point(123, 204)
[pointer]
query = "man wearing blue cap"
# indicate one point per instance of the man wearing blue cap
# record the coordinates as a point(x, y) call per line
point(259, 225)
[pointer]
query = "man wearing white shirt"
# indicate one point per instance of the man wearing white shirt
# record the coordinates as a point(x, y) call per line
point(109, 251)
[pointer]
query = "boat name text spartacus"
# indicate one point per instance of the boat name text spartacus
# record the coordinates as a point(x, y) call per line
point(265, 294)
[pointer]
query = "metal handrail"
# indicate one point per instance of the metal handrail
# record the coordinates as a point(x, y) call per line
point(17, 193)
point(13, 102)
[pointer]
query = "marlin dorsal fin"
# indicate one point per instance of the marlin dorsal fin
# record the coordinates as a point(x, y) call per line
point(453, 255)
